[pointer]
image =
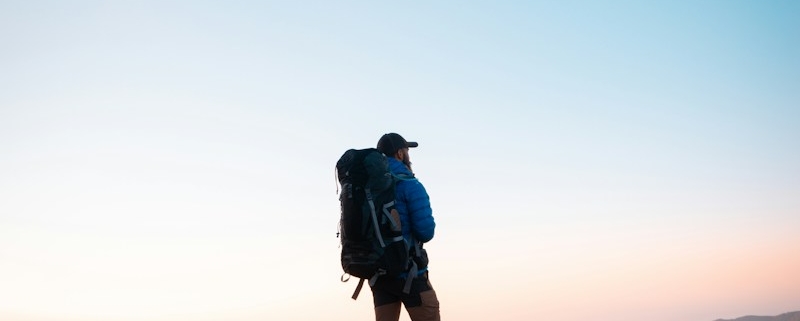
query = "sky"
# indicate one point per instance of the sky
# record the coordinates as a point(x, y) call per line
point(613, 160)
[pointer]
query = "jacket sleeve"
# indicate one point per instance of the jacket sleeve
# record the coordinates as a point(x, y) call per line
point(420, 212)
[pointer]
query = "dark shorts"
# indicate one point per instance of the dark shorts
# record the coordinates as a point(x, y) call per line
point(390, 290)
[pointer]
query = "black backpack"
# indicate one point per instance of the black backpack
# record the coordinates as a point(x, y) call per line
point(369, 228)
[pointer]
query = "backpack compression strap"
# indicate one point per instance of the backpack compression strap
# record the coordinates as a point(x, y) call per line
point(360, 285)
point(374, 217)
point(358, 289)
point(412, 274)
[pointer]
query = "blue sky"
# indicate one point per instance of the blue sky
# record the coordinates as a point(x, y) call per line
point(174, 160)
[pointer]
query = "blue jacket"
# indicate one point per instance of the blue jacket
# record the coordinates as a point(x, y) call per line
point(413, 204)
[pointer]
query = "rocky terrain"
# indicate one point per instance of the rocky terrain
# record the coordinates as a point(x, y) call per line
point(791, 316)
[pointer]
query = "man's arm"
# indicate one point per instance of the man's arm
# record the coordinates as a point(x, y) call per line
point(420, 212)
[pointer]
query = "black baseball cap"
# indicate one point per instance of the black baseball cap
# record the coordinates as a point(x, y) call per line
point(390, 143)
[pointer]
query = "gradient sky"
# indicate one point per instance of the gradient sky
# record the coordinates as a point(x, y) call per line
point(614, 160)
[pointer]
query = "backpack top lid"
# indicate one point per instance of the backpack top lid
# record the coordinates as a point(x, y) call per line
point(390, 143)
point(364, 167)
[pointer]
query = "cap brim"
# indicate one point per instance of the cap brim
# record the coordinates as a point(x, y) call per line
point(412, 144)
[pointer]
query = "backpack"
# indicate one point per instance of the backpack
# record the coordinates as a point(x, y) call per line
point(369, 227)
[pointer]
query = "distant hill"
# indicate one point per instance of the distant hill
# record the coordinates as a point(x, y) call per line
point(791, 316)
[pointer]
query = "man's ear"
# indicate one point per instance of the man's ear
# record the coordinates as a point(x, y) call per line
point(399, 155)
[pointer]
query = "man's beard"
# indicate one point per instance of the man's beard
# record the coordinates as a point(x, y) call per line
point(408, 164)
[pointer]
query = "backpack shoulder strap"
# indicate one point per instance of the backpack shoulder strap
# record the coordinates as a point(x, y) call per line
point(404, 177)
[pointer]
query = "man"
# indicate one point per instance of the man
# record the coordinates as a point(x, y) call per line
point(413, 204)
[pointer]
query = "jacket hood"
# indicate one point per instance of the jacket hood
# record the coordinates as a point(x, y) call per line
point(398, 168)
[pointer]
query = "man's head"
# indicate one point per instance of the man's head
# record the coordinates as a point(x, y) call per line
point(394, 145)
